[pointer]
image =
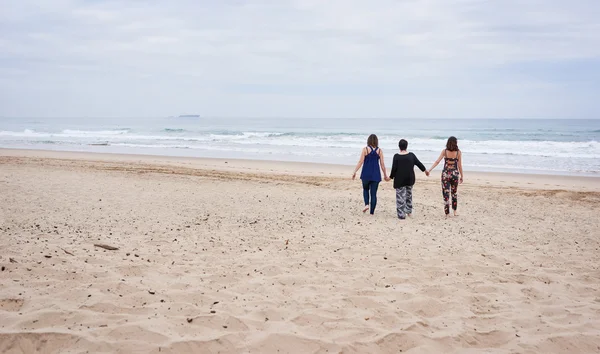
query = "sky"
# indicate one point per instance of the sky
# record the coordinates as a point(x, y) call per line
point(300, 58)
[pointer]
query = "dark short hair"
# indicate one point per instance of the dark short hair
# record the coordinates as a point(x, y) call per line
point(403, 144)
point(373, 141)
point(452, 144)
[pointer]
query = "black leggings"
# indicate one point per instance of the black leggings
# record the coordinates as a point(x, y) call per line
point(370, 187)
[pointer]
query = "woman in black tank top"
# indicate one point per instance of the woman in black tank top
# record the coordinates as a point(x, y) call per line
point(452, 174)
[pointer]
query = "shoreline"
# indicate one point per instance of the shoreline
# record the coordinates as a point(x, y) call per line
point(266, 257)
point(106, 148)
point(487, 179)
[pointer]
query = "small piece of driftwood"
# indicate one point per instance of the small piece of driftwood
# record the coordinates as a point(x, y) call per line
point(106, 247)
point(67, 252)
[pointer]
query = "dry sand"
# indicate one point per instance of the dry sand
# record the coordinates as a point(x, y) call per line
point(264, 257)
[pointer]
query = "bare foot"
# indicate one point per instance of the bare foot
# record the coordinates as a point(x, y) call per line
point(365, 209)
point(409, 215)
point(455, 213)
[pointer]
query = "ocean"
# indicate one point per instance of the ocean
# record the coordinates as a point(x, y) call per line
point(555, 147)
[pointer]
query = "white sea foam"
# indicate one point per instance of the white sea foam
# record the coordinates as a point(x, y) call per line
point(566, 149)
point(513, 149)
point(27, 133)
point(93, 133)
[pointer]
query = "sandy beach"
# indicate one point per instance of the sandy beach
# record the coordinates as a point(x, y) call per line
point(232, 256)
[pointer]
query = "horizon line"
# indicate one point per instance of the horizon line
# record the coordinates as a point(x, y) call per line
point(288, 117)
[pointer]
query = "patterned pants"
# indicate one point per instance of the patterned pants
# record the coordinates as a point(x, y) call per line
point(449, 187)
point(404, 201)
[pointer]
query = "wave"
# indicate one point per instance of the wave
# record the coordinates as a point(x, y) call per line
point(27, 133)
point(95, 132)
point(513, 162)
point(587, 150)
point(303, 140)
point(255, 150)
point(154, 146)
point(246, 135)
point(185, 135)
point(67, 133)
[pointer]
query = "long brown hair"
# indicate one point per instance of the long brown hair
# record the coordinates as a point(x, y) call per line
point(373, 141)
point(452, 144)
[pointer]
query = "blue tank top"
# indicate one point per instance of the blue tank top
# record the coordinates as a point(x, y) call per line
point(370, 169)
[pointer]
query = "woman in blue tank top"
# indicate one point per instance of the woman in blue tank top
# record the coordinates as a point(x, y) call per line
point(371, 158)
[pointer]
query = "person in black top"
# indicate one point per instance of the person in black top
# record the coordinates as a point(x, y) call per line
point(403, 174)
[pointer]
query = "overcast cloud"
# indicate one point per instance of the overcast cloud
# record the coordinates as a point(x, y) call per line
point(301, 58)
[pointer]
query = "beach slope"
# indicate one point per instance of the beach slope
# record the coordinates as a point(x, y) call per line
point(264, 257)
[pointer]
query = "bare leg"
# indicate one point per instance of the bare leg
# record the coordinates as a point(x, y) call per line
point(366, 195)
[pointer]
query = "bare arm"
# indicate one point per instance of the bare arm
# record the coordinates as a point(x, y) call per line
point(436, 162)
point(360, 162)
point(460, 166)
point(382, 163)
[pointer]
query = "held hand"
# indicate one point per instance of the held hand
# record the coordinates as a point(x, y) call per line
point(427, 173)
point(387, 179)
point(354, 176)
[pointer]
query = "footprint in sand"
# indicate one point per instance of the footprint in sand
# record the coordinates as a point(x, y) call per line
point(11, 305)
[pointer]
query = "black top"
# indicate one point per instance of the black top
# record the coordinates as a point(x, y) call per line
point(403, 169)
point(451, 163)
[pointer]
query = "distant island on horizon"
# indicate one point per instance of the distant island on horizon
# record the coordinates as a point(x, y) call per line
point(189, 116)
